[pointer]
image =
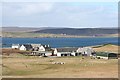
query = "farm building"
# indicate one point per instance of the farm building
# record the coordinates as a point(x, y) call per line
point(16, 46)
point(25, 47)
point(107, 55)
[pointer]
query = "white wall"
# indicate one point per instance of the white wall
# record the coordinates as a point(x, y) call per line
point(55, 51)
point(48, 54)
point(22, 48)
point(59, 54)
point(15, 46)
point(73, 53)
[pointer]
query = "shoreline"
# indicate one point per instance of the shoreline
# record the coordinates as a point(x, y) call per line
point(46, 35)
point(68, 37)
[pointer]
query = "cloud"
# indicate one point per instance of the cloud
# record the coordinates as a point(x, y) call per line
point(60, 14)
point(26, 9)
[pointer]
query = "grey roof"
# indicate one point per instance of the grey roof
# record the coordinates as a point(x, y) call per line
point(16, 45)
point(70, 49)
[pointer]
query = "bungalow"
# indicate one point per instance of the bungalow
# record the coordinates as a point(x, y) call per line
point(67, 52)
point(16, 46)
point(25, 47)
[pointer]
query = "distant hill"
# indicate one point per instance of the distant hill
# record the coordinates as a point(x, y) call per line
point(22, 29)
point(18, 29)
point(81, 31)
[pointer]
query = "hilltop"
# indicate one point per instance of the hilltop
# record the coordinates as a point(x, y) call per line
point(58, 32)
point(80, 31)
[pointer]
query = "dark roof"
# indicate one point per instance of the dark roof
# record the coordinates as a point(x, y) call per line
point(28, 46)
point(70, 49)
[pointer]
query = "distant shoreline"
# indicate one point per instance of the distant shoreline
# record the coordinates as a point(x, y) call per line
point(66, 37)
point(46, 35)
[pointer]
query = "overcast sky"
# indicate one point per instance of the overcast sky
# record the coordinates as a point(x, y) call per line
point(60, 14)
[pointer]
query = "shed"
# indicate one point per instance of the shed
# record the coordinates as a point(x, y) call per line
point(107, 55)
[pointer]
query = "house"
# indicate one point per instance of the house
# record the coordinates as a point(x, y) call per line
point(70, 51)
point(16, 46)
point(85, 51)
point(25, 47)
point(39, 47)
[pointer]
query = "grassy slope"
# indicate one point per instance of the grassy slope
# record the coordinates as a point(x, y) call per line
point(74, 67)
point(108, 48)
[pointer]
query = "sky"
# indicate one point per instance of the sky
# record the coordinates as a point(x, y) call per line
point(60, 14)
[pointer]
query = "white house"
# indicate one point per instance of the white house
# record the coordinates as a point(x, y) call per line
point(79, 50)
point(25, 47)
point(15, 46)
point(87, 51)
point(41, 48)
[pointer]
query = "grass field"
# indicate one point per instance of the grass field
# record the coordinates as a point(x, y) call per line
point(17, 65)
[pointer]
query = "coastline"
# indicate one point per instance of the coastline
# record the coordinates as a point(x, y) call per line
point(43, 35)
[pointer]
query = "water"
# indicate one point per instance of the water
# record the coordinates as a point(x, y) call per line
point(60, 42)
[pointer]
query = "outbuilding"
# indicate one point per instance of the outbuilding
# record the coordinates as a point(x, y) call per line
point(107, 55)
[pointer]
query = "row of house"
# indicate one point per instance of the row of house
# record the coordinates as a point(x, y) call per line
point(31, 47)
point(59, 52)
point(46, 50)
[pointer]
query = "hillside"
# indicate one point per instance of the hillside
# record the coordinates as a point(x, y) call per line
point(57, 32)
point(107, 48)
point(81, 32)
point(23, 29)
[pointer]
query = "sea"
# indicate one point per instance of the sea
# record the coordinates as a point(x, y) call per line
point(60, 42)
